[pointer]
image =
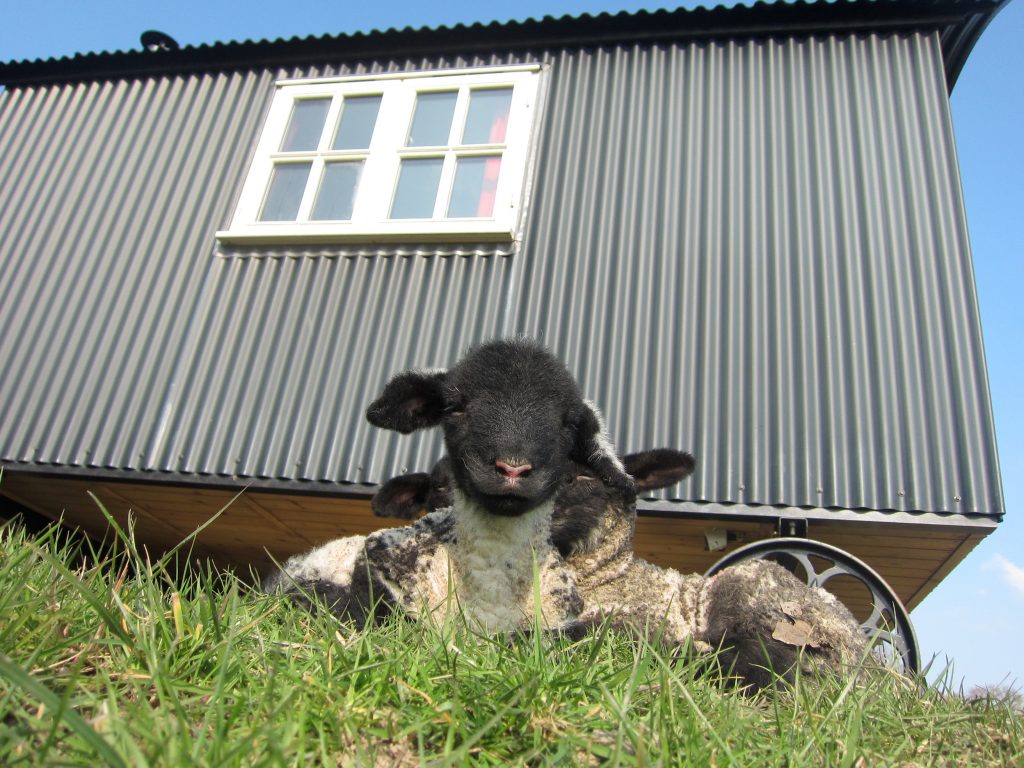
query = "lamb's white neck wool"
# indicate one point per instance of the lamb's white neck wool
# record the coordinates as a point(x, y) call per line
point(475, 524)
point(493, 561)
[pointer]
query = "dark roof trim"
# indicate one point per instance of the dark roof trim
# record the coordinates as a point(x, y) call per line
point(959, 22)
point(771, 513)
point(959, 40)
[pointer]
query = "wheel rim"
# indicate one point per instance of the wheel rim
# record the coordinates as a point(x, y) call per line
point(897, 641)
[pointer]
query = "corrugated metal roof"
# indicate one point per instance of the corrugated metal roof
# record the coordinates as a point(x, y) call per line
point(758, 252)
point(960, 23)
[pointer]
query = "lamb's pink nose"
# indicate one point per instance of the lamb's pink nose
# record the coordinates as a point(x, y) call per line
point(512, 471)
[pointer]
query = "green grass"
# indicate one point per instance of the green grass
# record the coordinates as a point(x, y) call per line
point(108, 659)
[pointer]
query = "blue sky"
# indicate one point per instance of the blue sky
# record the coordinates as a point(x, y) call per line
point(976, 616)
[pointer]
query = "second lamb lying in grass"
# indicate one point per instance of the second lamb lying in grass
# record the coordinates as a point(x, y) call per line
point(515, 429)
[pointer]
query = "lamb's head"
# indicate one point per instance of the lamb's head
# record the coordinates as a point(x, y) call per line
point(513, 422)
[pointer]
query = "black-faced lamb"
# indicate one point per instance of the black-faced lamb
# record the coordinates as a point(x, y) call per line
point(514, 422)
point(515, 427)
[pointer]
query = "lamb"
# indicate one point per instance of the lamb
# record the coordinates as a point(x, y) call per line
point(757, 613)
point(511, 437)
point(515, 426)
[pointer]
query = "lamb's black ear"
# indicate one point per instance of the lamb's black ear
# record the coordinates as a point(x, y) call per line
point(658, 468)
point(593, 449)
point(410, 401)
point(404, 496)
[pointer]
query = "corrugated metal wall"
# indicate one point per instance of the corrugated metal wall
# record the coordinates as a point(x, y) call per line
point(756, 251)
point(109, 194)
point(292, 350)
point(770, 266)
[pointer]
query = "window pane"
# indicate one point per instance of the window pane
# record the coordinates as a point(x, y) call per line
point(358, 116)
point(287, 183)
point(432, 120)
point(337, 191)
point(488, 116)
point(305, 125)
point(417, 188)
point(476, 180)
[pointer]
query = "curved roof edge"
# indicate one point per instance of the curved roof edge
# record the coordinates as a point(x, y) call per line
point(959, 23)
point(959, 40)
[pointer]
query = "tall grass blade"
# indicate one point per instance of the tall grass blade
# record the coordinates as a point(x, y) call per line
point(105, 614)
point(162, 562)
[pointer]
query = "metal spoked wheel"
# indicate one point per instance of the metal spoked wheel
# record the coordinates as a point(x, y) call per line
point(888, 624)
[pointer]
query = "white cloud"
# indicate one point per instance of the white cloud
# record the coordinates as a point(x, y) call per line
point(1012, 574)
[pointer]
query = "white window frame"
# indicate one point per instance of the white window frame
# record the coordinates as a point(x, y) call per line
point(382, 160)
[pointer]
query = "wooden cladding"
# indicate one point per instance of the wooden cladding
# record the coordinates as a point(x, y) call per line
point(255, 527)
